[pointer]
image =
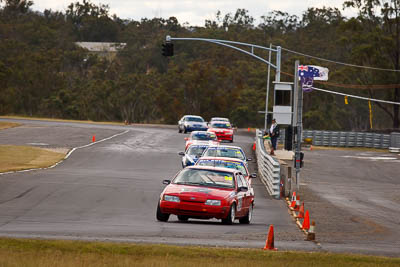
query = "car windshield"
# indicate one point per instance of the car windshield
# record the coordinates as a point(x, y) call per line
point(220, 119)
point(209, 178)
point(196, 119)
point(196, 150)
point(204, 136)
point(225, 125)
point(226, 152)
point(224, 163)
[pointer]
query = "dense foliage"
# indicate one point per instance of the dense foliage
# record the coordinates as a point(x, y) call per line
point(43, 72)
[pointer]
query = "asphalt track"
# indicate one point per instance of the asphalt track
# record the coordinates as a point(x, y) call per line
point(109, 191)
point(354, 196)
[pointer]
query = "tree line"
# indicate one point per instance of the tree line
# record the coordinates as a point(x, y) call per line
point(43, 72)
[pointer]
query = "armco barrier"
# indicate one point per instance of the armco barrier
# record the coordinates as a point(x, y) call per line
point(347, 139)
point(268, 167)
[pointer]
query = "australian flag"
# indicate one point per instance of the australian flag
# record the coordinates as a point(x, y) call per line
point(316, 72)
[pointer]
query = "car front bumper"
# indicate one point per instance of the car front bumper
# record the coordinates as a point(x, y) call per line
point(223, 136)
point(194, 209)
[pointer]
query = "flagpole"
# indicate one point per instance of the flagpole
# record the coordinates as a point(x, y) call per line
point(299, 123)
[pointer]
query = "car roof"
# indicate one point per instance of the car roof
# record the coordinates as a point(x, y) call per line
point(199, 145)
point(218, 121)
point(225, 146)
point(219, 118)
point(223, 158)
point(205, 142)
point(200, 132)
point(193, 116)
point(212, 168)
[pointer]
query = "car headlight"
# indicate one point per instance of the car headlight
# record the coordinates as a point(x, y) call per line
point(171, 198)
point(213, 202)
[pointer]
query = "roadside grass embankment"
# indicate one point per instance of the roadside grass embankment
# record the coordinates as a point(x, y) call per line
point(6, 125)
point(16, 158)
point(33, 252)
point(116, 123)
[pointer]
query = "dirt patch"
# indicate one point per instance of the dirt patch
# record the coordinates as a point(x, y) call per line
point(6, 125)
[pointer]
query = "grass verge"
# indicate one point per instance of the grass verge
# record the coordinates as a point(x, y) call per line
point(59, 120)
point(28, 252)
point(15, 158)
point(87, 121)
point(6, 125)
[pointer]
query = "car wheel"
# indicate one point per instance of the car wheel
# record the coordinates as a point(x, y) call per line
point(231, 140)
point(163, 217)
point(183, 218)
point(184, 130)
point(179, 130)
point(231, 216)
point(248, 217)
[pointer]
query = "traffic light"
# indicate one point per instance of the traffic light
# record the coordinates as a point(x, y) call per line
point(168, 49)
point(301, 159)
point(298, 159)
point(289, 138)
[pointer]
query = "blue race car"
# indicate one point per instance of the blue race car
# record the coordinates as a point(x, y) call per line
point(192, 154)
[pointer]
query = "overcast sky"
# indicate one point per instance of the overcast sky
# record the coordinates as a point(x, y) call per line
point(195, 12)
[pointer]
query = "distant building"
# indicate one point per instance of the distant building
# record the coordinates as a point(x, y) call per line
point(105, 50)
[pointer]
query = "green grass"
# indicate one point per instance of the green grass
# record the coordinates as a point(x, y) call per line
point(14, 158)
point(24, 252)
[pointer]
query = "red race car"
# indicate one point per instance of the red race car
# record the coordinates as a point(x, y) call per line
point(201, 137)
point(222, 129)
point(204, 192)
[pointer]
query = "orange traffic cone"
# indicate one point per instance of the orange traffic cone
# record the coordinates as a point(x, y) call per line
point(269, 243)
point(297, 205)
point(94, 138)
point(248, 129)
point(306, 222)
point(301, 211)
point(311, 232)
point(293, 201)
point(310, 147)
point(254, 146)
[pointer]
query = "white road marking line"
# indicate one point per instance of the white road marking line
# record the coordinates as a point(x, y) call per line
point(68, 154)
point(371, 158)
point(37, 144)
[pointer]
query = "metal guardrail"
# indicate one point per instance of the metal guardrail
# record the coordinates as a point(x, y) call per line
point(268, 167)
point(395, 140)
point(346, 139)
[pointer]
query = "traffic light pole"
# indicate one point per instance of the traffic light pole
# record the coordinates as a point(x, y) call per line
point(231, 44)
point(299, 124)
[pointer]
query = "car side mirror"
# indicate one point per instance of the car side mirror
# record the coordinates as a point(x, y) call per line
point(253, 175)
point(181, 153)
point(249, 159)
point(243, 189)
point(166, 182)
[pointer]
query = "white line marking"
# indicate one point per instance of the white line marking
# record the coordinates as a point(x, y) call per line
point(371, 158)
point(38, 144)
point(68, 154)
